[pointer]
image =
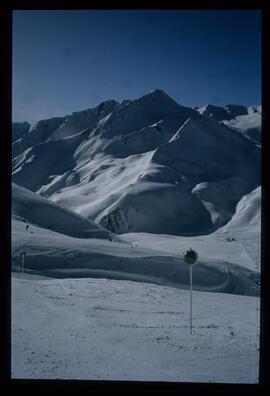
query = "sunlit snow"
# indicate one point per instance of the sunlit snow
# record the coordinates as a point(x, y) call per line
point(104, 203)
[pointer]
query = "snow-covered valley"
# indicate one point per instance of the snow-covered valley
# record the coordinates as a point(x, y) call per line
point(104, 204)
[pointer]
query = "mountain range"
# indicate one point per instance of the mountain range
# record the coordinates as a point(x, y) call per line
point(144, 165)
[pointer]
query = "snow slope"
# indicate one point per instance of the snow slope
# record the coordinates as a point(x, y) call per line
point(65, 250)
point(248, 213)
point(118, 327)
point(39, 164)
point(168, 196)
point(248, 124)
point(215, 246)
point(81, 120)
point(57, 127)
point(104, 329)
point(30, 208)
point(245, 226)
point(38, 133)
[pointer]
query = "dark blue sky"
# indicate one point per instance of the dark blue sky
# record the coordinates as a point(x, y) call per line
point(65, 61)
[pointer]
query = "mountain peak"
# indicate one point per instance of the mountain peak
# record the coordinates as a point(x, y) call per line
point(158, 91)
point(107, 104)
point(155, 94)
point(236, 110)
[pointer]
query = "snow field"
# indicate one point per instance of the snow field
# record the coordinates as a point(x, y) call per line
point(121, 330)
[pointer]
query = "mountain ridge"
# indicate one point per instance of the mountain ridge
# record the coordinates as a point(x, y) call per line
point(146, 165)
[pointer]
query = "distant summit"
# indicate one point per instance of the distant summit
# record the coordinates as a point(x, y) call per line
point(222, 113)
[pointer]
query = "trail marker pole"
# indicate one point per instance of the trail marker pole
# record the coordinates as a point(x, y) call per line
point(191, 257)
point(22, 260)
point(190, 313)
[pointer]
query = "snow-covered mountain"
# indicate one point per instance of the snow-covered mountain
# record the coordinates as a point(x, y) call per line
point(248, 124)
point(58, 127)
point(144, 165)
point(222, 113)
point(246, 120)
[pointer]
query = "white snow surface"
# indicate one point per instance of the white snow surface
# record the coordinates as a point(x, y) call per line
point(103, 329)
point(210, 247)
point(31, 208)
point(249, 125)
point(248, 213)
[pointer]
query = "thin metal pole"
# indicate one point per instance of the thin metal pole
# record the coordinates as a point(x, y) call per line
point(190, 277)
point(22, 263)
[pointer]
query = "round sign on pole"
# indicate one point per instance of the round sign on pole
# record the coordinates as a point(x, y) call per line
point(191, 257)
